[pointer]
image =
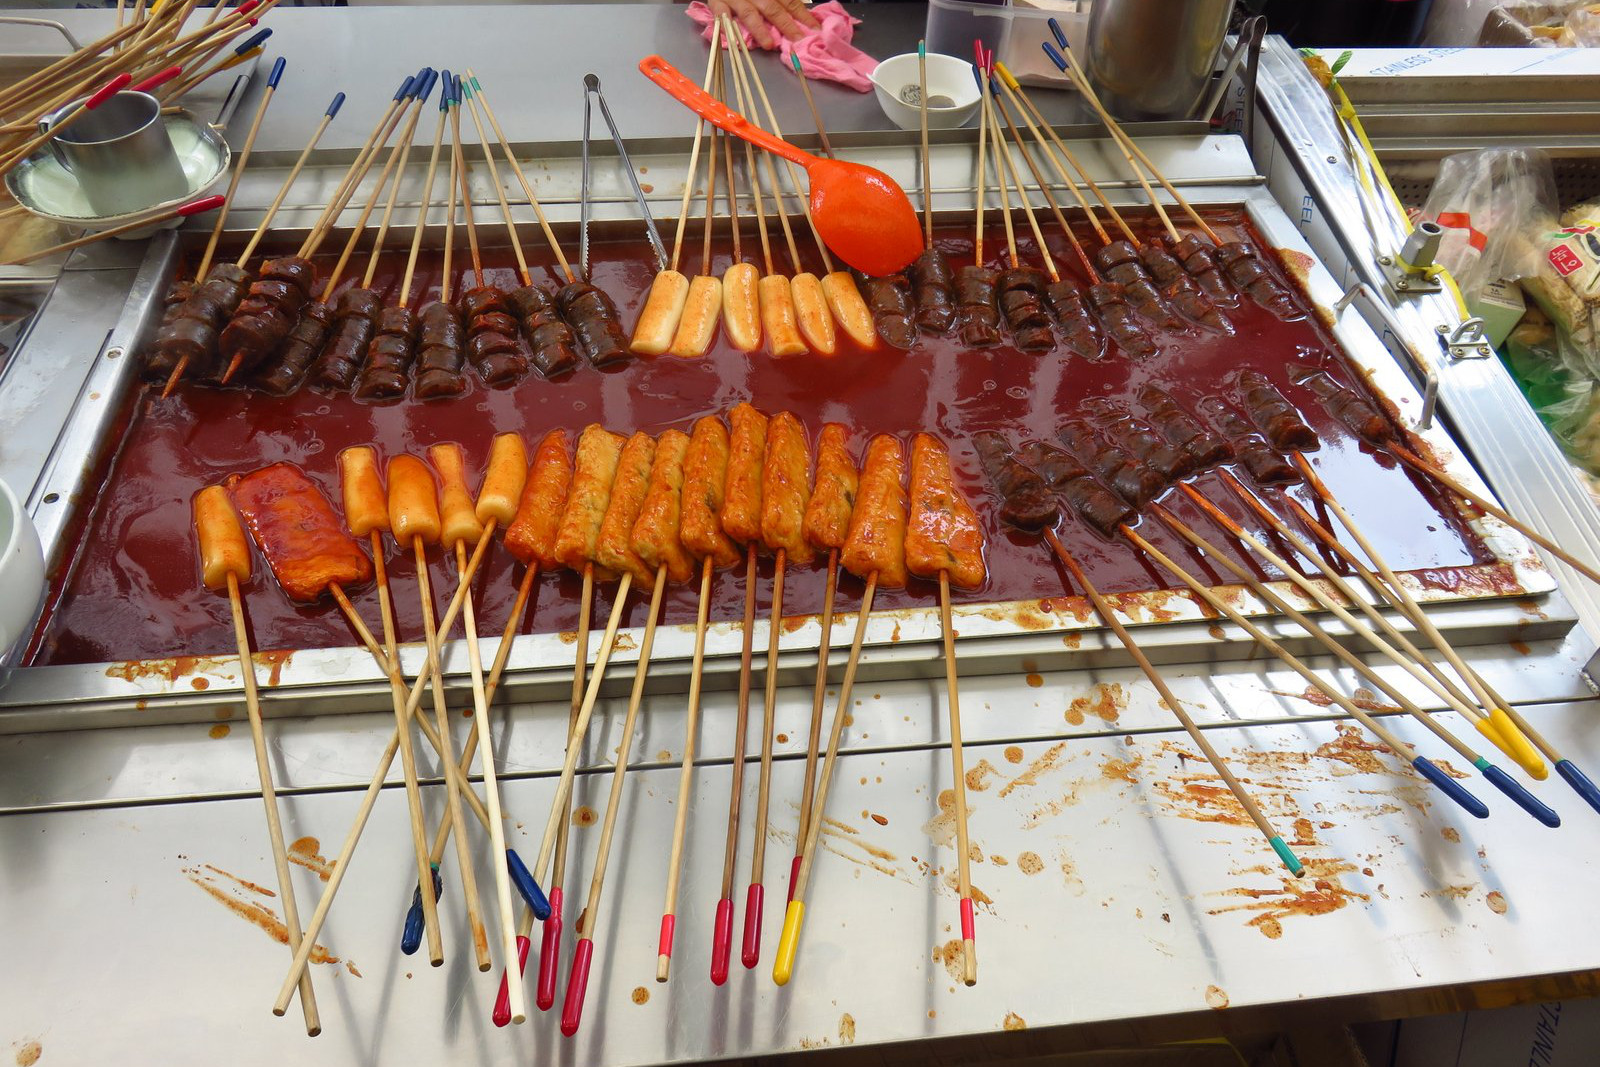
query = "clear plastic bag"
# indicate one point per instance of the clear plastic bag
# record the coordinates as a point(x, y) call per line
point(1487, 202)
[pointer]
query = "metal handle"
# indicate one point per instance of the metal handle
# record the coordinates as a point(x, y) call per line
point(18, 20)
point(591, 84)
point(1429, 376)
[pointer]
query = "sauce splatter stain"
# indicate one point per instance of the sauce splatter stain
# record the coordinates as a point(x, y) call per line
point(1105, 701)
point(352, 969)
point(583, 816)
point(783, 739)
point(1497, 902)
point(1029, 863)
point(847, 1028)
point(219, 731)
point(881, 820)
point(1013, 1021)
point(1216, 998)
point(641, 995)
point(979, 776)
point(1450, 833)
point(951, 956)
point(1319, 892)
point(1030, 776)
point(253, 912)
point(242, 883)
point(1013, 754)
point(663, 756)
point(1034, 681)
point(28, 1054)
point(306, 852)
point(201, 684)
point(1118, 770)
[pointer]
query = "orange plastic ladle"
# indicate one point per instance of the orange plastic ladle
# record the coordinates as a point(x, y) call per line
point(861, 214)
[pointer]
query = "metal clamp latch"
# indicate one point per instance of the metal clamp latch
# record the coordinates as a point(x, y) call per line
point(1424, 370)
point(1466, 341)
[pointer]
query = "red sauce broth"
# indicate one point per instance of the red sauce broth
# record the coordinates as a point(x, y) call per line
point(133, 592)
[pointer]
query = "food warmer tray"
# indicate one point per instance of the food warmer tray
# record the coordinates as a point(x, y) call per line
point(995, 638)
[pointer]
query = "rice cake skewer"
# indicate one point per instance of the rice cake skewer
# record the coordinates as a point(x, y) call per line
point(225, 564)
point(945, 538)
point(662, 313)
point(827, 524)
point(657, 543)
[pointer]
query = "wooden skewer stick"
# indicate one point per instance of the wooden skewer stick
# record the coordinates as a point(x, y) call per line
point(1344, 588)
point(754, 76)
point(1109, 617)
point(722, 942)
point(969, 951)
point(1322, 599)
point(422, 213)
point(1127, 143)
point(341, 863)
point(978, 194)
point(491, 788)
point(746, 98)
point(1049, 198)
point(408, 764)
point(427, 887)
point(1502, 729)
point(580, 730)
point(819, 692)
point(446, 271)
point(1564, 766)
point(195, 207)
point(1483, 503)
point(238, 173)
point(1313, 628)
point(395, 152)
point(388, 211)
point(269, 797)
point(1123, 143)
point(550, 944)
point(996, 146)
point(1016, 182)
point(482, 97)
point(1420, 763)
point(691, 731)
point(794, 915)
point(1056, 151)
point(464, 765)
point(461, 165)
point(816, 116)
point(927, 166)
point(499, 191)
point(358, 168)
point(756, 893)
point(694, 156)
point(288, 181)
point(583, 953)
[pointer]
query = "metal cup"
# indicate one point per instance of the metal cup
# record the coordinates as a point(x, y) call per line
point(1151, 59)
point(120, 153)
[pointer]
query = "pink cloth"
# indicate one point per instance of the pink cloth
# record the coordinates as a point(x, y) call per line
point(826, 53)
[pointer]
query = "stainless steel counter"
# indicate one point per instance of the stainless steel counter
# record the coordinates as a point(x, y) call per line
point(1121, 906)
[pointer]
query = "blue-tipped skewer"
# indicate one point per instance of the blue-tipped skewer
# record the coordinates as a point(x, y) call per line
point(411, 936)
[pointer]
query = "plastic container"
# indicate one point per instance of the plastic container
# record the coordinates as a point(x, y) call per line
point(1014, 30)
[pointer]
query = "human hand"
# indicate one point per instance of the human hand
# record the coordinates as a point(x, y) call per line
point(761, 17)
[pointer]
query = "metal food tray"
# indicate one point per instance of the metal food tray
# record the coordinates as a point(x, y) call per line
point(994, 638)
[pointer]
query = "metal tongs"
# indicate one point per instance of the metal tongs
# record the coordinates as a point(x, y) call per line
point(591, 87)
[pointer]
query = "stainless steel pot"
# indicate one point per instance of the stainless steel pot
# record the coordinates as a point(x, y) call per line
point(1151, 59)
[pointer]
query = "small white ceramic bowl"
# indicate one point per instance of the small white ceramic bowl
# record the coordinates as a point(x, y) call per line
point(21, 573)
point(947, 76)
